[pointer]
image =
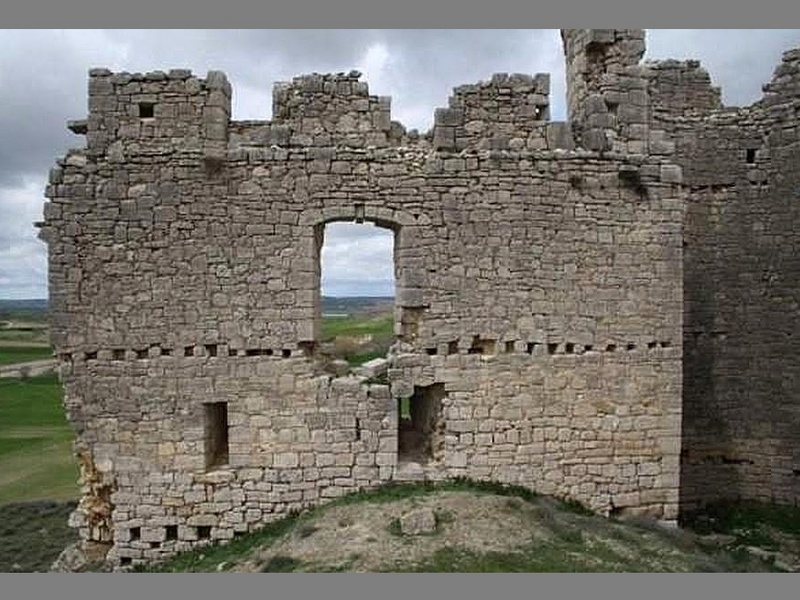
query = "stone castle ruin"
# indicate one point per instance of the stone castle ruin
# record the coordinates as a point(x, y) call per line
point(604, 309)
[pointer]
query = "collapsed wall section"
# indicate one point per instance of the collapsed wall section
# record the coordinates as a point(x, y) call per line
point(539, 296)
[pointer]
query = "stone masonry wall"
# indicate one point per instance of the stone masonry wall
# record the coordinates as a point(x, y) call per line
point(739, 167)
point(741, 281)
point(540, 285)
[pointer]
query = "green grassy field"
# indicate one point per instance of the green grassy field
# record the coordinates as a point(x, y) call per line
point(379, 326)
point(10, 355)
point(36, 460)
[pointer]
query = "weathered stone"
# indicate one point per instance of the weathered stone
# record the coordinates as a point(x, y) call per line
point(562, 307)
point(418, 522)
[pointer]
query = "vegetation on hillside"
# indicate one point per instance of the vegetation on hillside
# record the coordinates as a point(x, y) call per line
point(36, 458)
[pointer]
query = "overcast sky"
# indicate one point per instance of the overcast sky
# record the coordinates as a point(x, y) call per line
point(43, 80)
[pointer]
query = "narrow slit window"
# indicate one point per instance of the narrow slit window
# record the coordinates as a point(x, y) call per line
point(216, 434)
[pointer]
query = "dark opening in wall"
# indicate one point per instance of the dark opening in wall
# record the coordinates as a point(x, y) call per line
point(204, 532)
point(166, 352)
point(286, 353)
point(530, 347)
point(308, 348)
point(91, 356)
point(141, 354)
point(751, 156)
point(216, 434)
point(231, 351)
point(171, 533)
point(509, 347)
point(452, 347)
point(420, 435)
point(146, 110)
point(136, 534)
point(433, 351)
point(125, 561)
point(482, 346)
point(188, 351)
point(211, 349)
point(118, 354)
point(569, 348)
point(551, 348)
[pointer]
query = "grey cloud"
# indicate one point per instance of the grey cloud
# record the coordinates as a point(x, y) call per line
point(43, 80)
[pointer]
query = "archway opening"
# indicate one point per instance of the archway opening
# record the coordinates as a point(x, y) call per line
point(356, 302)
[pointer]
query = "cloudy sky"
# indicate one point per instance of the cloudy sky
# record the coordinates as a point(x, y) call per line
point(43, 77)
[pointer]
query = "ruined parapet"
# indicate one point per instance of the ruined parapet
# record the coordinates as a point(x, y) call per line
point(333, 109)
point(508, 112)
point(146, 114)
point(681, 88)
point(785, 84)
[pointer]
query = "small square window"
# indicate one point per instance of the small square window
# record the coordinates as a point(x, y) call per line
point(146, 110)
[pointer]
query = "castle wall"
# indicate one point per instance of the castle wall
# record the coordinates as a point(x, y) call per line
point(739, 167)
point(741, 276)
point(541, 286)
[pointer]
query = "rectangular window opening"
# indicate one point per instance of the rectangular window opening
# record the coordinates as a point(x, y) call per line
point(420, 435)
point(171, 533)
point(146, 110)
point(118, 354)
point(211, 349)
point(188, 351)
point(569, 348)
point(136, 534)
point(216, 434)
point(751, 156)
point(204, 532)
point(452, 347)
point(431, 351)
point(482, 346)
point(551, 348)
point(510, 347)
point(125, 561)
point(529, 348)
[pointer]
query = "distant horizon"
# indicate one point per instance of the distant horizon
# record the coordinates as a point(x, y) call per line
point(323, 295)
